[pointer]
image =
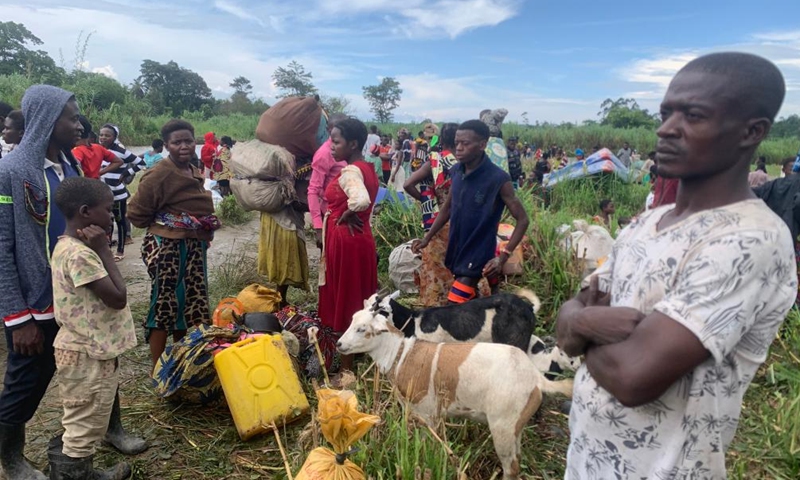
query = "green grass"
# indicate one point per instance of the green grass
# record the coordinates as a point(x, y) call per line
point(767, 443)
point(231, 213)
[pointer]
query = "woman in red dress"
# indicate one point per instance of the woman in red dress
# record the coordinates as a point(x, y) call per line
point(348, 271)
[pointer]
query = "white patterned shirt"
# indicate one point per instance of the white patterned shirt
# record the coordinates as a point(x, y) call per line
point(729, 276)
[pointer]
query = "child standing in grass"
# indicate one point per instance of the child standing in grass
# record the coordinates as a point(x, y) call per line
point(90, 301)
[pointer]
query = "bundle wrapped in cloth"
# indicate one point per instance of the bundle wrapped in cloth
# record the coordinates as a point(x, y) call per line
point(295, 123)
point(263, 176)
point(342, 425)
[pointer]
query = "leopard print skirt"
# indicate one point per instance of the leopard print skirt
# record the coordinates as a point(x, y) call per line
point(179, 286)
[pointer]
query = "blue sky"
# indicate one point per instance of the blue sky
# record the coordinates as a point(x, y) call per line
point(556, 60)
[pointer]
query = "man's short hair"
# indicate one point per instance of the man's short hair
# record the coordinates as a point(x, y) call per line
point(753, 82)
point(480, 128)
point(787, 161)
point(75, 192)
point(604, 203)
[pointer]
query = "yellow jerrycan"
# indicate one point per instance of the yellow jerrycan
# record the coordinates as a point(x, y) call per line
point(260, 384)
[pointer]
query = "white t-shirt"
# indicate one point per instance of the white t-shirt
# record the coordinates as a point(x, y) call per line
point(372, 140)
point(729, 276)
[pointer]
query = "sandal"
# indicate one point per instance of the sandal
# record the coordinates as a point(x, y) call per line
point(118, 257)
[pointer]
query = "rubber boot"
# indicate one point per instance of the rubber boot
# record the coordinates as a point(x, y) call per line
point(117, 437)
point(12, 443)
point(64, 467)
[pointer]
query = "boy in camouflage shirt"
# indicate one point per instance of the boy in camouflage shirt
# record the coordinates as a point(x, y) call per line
point(90, 301)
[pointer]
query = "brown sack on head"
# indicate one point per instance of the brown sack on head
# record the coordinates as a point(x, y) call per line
point(292, 123)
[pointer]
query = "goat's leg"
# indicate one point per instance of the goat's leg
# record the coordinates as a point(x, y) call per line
point(507, 445)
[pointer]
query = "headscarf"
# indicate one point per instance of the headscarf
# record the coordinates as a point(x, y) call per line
point(209, 149)
point(430, 130)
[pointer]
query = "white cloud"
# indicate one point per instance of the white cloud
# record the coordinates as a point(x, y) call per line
point(656, 71)
point(429, 18)
point(791, 36)
point(237, 11)
point(459, 16)
point(648, 78)
point(107, 70)
point(121, 42)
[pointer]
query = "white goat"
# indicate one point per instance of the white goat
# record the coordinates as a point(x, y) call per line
point(491, 383)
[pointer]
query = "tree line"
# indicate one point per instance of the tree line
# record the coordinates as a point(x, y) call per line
point(168, 88)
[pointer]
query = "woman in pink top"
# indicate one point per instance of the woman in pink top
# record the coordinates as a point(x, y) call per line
point(324, 169)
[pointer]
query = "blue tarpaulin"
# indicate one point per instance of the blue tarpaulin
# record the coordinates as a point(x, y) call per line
point(391, 197)
point(602, 161)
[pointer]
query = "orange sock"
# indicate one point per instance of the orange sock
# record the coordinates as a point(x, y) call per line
point(460, 293)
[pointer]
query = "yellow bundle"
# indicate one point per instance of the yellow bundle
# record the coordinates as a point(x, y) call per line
point(258, 298)
point(342, 425)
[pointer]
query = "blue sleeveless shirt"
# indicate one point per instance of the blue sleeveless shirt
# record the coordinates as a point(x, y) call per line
point(475, 211)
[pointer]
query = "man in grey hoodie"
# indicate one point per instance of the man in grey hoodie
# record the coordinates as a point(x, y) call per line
point(30, 225)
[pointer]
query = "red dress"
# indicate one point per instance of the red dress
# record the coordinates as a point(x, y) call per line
point(351, 263)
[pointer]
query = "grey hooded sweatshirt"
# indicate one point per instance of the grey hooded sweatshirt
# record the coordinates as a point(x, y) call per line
point(26, 212)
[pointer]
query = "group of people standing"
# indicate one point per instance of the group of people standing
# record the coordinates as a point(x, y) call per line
point(61, 189)
point(64, 307)
point(463, 194)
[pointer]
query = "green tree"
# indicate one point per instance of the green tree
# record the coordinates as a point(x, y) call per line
point(294, 81)
point(94, 90)
point(625, 113)
point(383, 98)
point(172, 87)
point(786, 127)
point(337, 104)
point(17, 57)
point(242, 87)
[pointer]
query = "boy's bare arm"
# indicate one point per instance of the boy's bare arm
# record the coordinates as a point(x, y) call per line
point(111, 289)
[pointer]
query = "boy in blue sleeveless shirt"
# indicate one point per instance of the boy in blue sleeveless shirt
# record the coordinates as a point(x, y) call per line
point(474, 206)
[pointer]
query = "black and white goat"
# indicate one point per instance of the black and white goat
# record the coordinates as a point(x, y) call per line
point(503, 318)
point(553, 361)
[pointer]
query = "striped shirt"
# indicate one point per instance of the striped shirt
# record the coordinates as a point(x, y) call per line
point(116, 179)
